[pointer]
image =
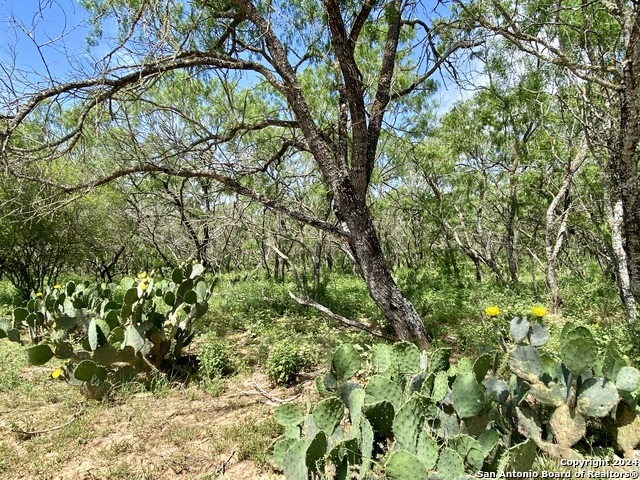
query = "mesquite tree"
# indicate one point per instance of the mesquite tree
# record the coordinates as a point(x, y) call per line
point(226, 89)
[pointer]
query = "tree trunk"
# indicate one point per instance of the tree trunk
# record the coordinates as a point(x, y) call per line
point(555, 238)
point(625, 157)
point(366, 249)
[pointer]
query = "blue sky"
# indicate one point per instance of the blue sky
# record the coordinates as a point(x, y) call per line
point(48, 37)
point(38, 33)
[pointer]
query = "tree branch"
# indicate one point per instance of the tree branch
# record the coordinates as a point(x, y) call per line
point(340, 318)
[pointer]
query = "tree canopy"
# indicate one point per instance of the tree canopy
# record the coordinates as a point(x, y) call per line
point(320, 115)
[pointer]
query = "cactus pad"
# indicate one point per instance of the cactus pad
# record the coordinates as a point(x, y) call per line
point(552, 395)
point(355, 404)
point(538, 335)
point(470, 451)
point(380, 416)
point(408, 422)
point(450, 465)
point(294, 460)
point(427, 450)
point(524, 361)
point(407, 358)
point(416, 382)
point(627, 428)
point(519, 329)
point(366, 447)
point(521, 457)
point(380, 388)
point(85, 370)
point(579, 351)
point(39, 355)
point(440, 386)
point(440, 360)
point(346, 362)
point(288, 414)
point(481, 366)
point(404, 466)
point(322, 388)
point(528, 423)
point(613, 362)
point(597, 397)
point(567, 426)
point(497, 388)
point(488, 440)
point(315, 453)
point(381, 357)
point(328, 414)
point(278, 449)
point(468, 395)
point(628, 379)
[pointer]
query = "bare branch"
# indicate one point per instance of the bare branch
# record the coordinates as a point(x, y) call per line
point(340, 318)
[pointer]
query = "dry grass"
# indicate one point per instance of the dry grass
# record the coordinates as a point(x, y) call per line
point(175, 433)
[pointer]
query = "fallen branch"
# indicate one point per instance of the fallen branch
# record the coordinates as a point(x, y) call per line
point(340, 318)
point(273, 401)
point(223, 466)
point(24, 435)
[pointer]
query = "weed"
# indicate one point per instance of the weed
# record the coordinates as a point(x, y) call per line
point(214, 359)
point(286, 360)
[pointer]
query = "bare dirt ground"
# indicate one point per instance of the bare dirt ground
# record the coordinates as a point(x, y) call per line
point(183, 433)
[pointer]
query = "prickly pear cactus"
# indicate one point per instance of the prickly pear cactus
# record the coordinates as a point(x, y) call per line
point(579, 351)
point(628, 379)
point(407, 358)
point(121, 335)
point(426, 419)
point(346, 362)
point(468, 395)
point(403, 465)
point(328, 414)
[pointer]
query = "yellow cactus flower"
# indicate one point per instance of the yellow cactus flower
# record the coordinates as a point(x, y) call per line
point(39, 294)
point(143, 275)
point(56, 373)
point(143, 286)
point(57, 286)
point(539, 311)
point(492, 311)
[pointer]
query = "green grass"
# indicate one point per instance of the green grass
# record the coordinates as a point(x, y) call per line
point(246, 318)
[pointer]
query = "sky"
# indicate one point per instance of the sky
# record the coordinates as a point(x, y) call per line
point(47, 38)
point(41, 35)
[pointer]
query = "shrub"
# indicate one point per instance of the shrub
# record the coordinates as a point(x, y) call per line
point(214, 360)
point(285, 362)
